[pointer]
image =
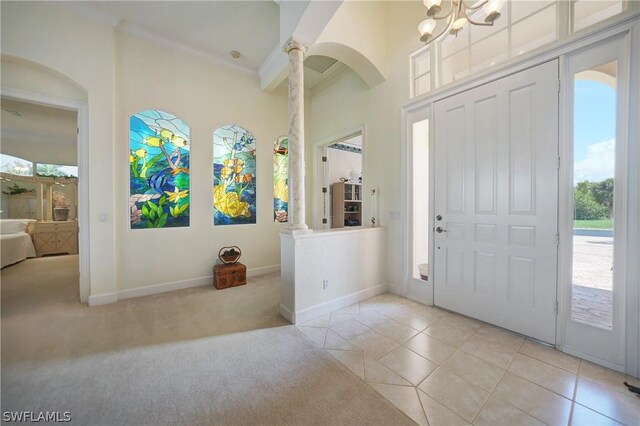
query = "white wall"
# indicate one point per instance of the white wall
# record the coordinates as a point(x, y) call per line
point(206, 97)
point(81, 50)
point(341, 163)
point(350, 261)
point(349, 103)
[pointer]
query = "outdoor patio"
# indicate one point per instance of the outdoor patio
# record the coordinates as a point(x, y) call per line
point(592, 280)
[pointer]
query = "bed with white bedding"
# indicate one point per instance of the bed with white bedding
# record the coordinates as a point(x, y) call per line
point(16, 244)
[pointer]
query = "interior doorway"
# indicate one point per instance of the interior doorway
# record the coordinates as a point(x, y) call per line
point(44, 157)
point(340, 194)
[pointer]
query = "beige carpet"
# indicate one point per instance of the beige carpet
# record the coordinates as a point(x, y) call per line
point(178, 358)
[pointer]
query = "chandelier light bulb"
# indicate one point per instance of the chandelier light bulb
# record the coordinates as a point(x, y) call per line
point(459, 23)
point(426, 29)
point(433, 6)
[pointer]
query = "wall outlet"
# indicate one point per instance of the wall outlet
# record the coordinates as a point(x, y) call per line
point(325, 284)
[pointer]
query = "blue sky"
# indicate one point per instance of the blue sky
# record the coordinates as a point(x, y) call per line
point(594, 130)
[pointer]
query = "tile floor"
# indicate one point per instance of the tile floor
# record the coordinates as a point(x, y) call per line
point(444, 369)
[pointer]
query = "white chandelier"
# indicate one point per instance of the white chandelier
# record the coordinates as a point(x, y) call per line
point(458, 14)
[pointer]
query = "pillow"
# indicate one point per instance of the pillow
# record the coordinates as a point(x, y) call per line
point(14, 226)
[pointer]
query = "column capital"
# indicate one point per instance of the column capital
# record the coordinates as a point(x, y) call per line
point(293, 44)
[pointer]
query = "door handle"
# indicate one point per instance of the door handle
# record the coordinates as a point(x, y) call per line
point(439, 230)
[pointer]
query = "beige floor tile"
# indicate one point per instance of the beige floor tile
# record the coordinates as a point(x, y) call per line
point(550, 356)
point(405, 398)
point(349, 328)
point(374, 344)
point(437, 414)
point(338, 318)
point(496, 354)
point(430, 348)
point(352, 309)
point(460, 321)
point(500, 337)
point(371, 318)
point(396, 331)
point(553, 378)
point(474, 370)
point(454, 336)
point(322, 321)
point(414, 320)
point(335, 341)
point(314, 333)
point(603, 399)
point(455, 393)
point(499, 412)
point(354, 361)
point(408, 364)
point(375, 372)
point(582, 416)
point(534, 400)
point(605, 376)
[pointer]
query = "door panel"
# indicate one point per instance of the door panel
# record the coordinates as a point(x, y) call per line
point(496, 252)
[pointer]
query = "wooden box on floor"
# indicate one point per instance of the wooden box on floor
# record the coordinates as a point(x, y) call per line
point(229, 275)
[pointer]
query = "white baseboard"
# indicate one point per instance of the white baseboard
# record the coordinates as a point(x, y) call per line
point(164, 287)
point(335, 304)
point(180, 285)
point(256, 272)
point(396, 289)
point(102, 299)
point(287, 314)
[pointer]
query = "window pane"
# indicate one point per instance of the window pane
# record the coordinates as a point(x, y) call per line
point(479, 32)
point(422, 63)
point(523, 9)
point(534, 31)
point(56, 170)
point(423, 85)
point(420, 182)
point(452, 44)
point(490, 51)
point(15, 165)
point(586, 13)
point(593, 195)
point(455, 67)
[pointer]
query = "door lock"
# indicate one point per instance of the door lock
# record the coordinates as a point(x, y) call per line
point(439, 230)
point(439, 217)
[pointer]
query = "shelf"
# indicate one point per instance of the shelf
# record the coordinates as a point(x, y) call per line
point(352, 201)
point(346, 212)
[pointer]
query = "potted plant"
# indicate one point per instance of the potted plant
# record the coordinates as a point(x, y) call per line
point(61, 203)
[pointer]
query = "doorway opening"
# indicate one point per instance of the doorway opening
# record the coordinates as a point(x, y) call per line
point(341, 196)
point(40, 202)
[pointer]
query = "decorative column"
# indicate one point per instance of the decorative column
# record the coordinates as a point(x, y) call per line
point(296, 219)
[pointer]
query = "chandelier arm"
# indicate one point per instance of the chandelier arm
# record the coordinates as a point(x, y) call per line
point(446, 15)
point(474, 8)
point(446, 28)
point(482, 24)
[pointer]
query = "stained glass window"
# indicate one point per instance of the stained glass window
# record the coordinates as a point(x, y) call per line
point(281, 179)
point(234, 176)
point(159, 170)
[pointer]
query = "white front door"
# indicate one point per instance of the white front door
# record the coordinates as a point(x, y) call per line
point(496, 186)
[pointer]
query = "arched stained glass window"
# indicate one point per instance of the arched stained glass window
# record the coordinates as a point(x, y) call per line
point(234, 176)
point(159, 144)
point(281, 179)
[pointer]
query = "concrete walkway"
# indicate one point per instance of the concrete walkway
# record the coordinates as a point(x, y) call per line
point(592, 280)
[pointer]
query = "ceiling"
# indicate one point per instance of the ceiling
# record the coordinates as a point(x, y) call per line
point(30, 130)
point(211, 27)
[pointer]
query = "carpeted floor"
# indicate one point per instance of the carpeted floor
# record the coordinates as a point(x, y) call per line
point(197, 356)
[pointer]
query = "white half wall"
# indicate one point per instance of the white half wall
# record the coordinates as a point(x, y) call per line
point(327, 270)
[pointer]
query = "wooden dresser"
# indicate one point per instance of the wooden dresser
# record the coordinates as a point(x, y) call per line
point(55, 237)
